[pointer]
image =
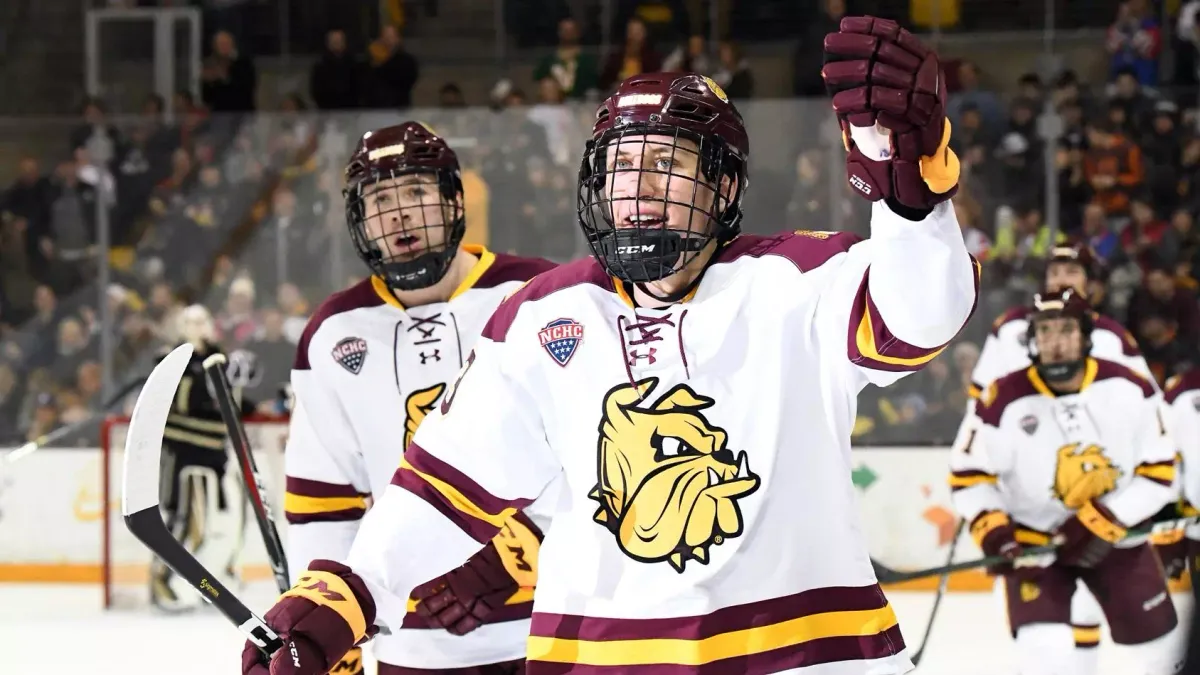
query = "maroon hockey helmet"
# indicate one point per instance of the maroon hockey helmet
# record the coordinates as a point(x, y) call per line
point(1054, 305)
point(404, 204)
point(663, 175)
point(1080, 253)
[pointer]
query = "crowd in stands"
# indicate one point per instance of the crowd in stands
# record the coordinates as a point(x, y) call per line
point(244, 213)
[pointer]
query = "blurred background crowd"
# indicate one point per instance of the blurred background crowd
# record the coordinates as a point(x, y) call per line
point(166, 153)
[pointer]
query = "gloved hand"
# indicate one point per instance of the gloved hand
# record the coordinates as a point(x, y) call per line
point(995, 535)
point(889, 95)
point(350, 664)
point(461, 600)
point(323, 617)
point(1087, 537)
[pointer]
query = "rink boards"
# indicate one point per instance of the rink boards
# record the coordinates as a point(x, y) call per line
point(52, 514)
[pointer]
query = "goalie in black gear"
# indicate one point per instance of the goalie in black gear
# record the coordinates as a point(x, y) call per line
point(204, 511)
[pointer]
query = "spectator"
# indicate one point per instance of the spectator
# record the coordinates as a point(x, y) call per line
point(229, 79)
point(451, 96)
point(1134, 42)
point(1166, 351)
point(733, 72)
point(45, 417)
point(295, 311)
point(1179, 243)
point(689, 57)
point(193, 119)
point(392, 72)
point(74, 347)
point(1143, 233)
point(810, 200)
point(1113, 166)
point(1073, 188)
point(236, 323)
point(163, 312)
point(334, 79)
point(556, 121)
point(969, 131)
point(1029, 88)
point(1187, 56)
point(634, 57)
point(29, 197)
point(1105, 244)
point(806, 76)
point(10, 399)
point(70, 241)
point(975, 238)
point(987, 102)
point(1022, 239)
point(96, 133)
point(89, 382)
point(1128, 94)
point(1160, 296)
point(575, 71)
point(17, 271)
point(1164, 155)
point(275, 356)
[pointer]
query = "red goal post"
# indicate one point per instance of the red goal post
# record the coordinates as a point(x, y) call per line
point(125, 561)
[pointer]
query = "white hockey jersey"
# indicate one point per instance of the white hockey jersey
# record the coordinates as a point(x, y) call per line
point(706, 520)
point(1039, 456)
point(1005, 349)
point(1182, 397)
point(367, 372)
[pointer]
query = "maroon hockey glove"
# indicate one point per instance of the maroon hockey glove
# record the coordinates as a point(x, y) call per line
point(881, 76)
point(995, 535)
point(320, 620)
point(462, 599)
point(1088, 536)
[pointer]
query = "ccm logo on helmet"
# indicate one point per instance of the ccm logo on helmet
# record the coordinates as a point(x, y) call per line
point(642, 248)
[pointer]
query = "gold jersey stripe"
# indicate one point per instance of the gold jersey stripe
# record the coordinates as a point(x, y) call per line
point(300, 504)
point(458, 500)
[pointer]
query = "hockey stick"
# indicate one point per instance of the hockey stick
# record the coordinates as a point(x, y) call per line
point(943, 582)
point(139, 499)
point(66, 430)
point(214, 369)
point(1155, 527)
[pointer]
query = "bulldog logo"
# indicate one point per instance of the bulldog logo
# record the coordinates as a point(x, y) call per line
point(668, 486)
point(419, 404)
point(1083, 474)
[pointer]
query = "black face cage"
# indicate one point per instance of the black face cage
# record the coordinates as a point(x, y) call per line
point(1085, 327)
point(424, 261)
point(648, 250)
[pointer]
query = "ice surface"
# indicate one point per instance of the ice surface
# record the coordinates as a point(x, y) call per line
point(61, 630)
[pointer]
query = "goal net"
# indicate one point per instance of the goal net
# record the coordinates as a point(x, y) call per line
point(126, 561)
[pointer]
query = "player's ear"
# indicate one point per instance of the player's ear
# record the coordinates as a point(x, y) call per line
point(729, 188)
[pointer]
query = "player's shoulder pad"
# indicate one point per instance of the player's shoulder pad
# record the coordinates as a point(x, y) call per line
point(1129, 345)
point(1181, 384)
point(806, 249)
point(506, 268)
point(1002, 393)
point(358, 296)
point(1014, 314)
point(557, 278)
point(1110, 370)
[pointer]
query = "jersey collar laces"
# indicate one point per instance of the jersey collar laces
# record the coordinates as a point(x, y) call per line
point(644, 331)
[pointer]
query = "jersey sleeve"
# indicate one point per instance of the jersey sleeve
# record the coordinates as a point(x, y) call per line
point(990, 366)
point(978, 459)
point(1183, 420)
point(475, 460)
point(1154, 475)
point(327, 484)
point(900, 297)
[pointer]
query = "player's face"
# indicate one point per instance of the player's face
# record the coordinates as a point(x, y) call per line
point(1063, 275)
point(655, 181)
point(1059, 340)
point(406, 216)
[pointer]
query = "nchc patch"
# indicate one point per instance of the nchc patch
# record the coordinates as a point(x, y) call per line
point(560, 338)
point(350, 353)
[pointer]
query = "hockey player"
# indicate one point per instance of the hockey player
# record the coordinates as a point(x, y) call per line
point(1182, 397)
point(372, 362)
point(1072, 449)
point(1071, 265)
point(693, 390)
point(200, 513)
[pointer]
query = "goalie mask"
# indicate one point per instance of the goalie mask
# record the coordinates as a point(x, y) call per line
point(404, 205)
point(662, 176)
point(1060, 334)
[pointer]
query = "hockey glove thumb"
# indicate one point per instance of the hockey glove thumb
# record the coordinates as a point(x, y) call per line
point(324, 616)
point(995, 535)
point(889, 96)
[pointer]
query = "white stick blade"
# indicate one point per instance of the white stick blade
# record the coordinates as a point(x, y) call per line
point(143, 441)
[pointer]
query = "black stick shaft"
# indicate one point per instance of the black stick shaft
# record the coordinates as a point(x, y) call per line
point(214, 369)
